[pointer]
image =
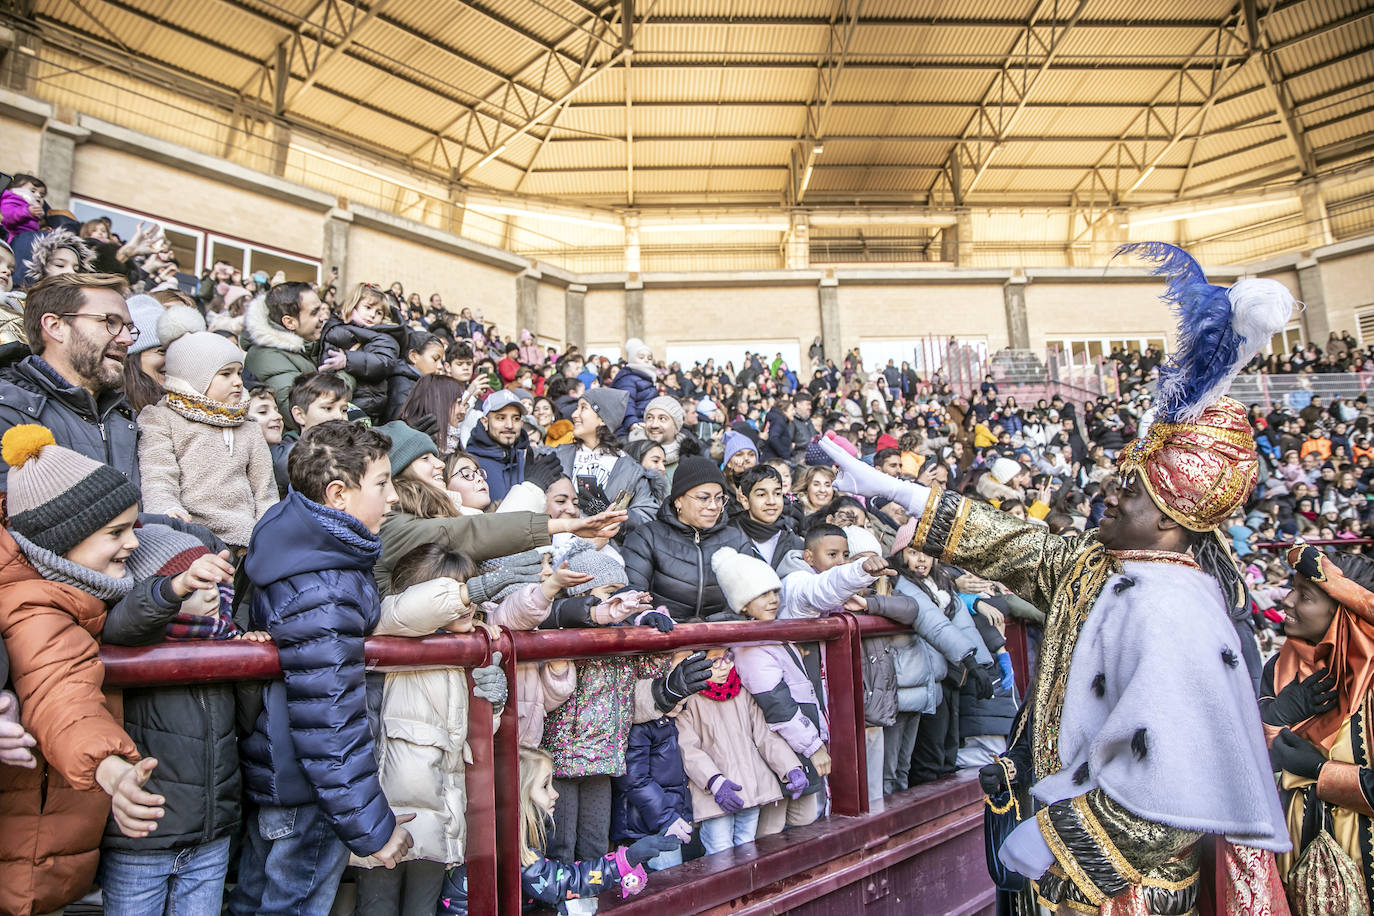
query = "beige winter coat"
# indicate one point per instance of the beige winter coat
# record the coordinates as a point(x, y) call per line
point(217, 476)
point(731, 737)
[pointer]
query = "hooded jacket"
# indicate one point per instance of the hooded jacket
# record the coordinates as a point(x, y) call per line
point(672, 561)
point(54, 814)
point(311, 568)
point(505, 465)
point(731, 738)
point(652, 793)
point(100, 428)
point(923, 658)
point(641, 382)
point(275, 356)
point(372, 364)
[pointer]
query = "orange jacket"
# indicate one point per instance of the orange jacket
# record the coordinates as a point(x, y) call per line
point(1321, 446)
point(50, 841)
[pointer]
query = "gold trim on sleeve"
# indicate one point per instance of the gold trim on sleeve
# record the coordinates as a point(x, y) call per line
point(1099, 834)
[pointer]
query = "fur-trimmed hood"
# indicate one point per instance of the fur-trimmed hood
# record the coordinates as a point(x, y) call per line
point(260, 331)
point(48, 244)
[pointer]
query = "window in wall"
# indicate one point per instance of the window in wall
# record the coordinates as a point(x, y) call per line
point(1084, 352)
point(249, 259)
point(689, 354)
point(187, 242)
point(1284, 341)
point(1364, 324)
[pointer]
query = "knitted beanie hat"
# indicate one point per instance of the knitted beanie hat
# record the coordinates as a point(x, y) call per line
point(861, 540)
point(57, 497)
point(164, 551)
point(1004, 469)
point(195, 358)
point(610, 405)
point(582, 556)
point(669, 405)
point(693, 472)
point(177, 320)
point(742, 578)
point(737, 442)
point(408, 445)
point(145, 311)
point(633, 347)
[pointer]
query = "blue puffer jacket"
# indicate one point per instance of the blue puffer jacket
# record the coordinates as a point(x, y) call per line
point(634, 379)
point(652, 793)
point(311, 568)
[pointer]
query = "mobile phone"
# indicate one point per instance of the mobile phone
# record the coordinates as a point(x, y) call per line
point(5, 180)
point(621, 501)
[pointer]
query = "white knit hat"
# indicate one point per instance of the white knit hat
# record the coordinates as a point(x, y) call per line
point(1004, 469)
point(633, 346)
point(861, 540)
point(742, 578)
point(523, 497)
point(177, 320)
point(196, 358)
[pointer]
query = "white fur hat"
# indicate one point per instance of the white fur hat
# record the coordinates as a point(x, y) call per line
point(861, 540)
point(177, 321)
point(1004, 469)
point(742, 578)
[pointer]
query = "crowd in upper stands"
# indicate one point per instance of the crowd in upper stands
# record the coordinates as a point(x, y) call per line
point(213, 456)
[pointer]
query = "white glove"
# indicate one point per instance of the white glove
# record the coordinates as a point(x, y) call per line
point(867, 481)
point(1025, 851)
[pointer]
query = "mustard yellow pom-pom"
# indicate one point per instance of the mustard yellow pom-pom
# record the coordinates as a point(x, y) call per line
point(24, 442)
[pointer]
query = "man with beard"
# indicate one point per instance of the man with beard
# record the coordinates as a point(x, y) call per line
point(665, 422)
point(500, 444)
point(72, 381)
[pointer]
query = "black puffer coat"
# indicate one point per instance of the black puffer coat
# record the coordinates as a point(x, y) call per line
point(372, 364)
point(672, 561)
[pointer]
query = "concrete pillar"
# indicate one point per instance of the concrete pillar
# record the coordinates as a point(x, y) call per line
point(1315, 322)
point(829, 293)
point(797, 242)
point(575, 316)
point(632, 244)
point(278, 146)
point(337, 223)
point(1314, 215)
point(956, 241)
point(1014, 301)
point(458, 200)
point(57, 159)
point(634, 309)
point(527, 301)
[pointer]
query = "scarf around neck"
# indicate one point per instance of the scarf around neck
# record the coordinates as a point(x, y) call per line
point(758, 531)
point(200, 409)
point(722, 692)
point(56, 568)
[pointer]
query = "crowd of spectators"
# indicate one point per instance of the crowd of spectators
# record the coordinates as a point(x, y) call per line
point(200, 457)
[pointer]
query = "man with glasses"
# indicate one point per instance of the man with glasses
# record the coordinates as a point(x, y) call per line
point(79, 333)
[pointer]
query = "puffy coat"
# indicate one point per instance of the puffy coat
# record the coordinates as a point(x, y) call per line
point(642, 384)
point(731, 737)
point(53, 815)
point(100, 428)
point(925, 656)
point(652, 793)
point(672, 561)
point(311, 568)
point(626, 474)
point(880, 681)
point(372, 364)
point(398, 389)
point(275, 356)
point(779, 443)
point(505, 467)
point(481, 537)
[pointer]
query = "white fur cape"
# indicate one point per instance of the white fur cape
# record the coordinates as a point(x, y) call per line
point(1161, 710)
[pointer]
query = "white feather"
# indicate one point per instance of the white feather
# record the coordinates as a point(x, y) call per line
point(1260, 309)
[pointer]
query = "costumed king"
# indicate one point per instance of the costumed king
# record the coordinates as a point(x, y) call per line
point(1140, 735)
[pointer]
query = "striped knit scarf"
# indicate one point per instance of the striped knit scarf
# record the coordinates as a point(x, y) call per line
point(203, 410)
point(194, 626)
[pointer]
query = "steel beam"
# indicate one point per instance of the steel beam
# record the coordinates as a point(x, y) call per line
point(1279, 94)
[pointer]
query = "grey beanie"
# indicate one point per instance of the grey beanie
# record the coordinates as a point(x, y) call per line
point(145, 311)
point(582, 556)
point(669, 405)
point(610, 405)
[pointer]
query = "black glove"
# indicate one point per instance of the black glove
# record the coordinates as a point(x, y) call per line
point(1296, 755)
point(428, 424)
point(644, 849)
point(544, 470)
point(690, 676)
point(982, 681)
point(1301, 700)
point(591, 498)
point(992, 779)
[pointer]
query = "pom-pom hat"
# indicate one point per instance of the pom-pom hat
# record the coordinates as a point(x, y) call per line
point(57, 497)
point(742, 578)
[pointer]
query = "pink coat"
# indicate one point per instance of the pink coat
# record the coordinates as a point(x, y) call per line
point(14, 213)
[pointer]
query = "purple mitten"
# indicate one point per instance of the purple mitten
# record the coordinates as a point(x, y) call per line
point(727, 796)
point(796, 782)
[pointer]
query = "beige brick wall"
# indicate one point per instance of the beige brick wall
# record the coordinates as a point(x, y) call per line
point(1087, 309)
point(688, 315)
point(1348, 285)
point(139, 184)
point(898, 311)
point(605, 319)
point(19, 145)
point(378, 257)
point(552, 315)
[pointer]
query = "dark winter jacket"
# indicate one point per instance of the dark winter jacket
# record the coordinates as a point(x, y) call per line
point(275, 356)
point(779, 443)
point(311, 568)
point(652, 793)
point(545, 885)
point(626, 474)
point(102, 429)
point(672, 561)
point(398, 389)
point(643, 388)
point(372, 364)
point(505, 467)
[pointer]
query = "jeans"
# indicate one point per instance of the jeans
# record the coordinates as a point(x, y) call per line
point(180, 882)
point(873, 758)
point(721, 833)
point(291, 863)
point(664, 860)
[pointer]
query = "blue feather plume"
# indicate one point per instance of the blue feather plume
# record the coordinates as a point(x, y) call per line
point(1207, 347)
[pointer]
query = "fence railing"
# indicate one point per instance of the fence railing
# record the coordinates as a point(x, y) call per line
point(492, 780)
point(1296, 391)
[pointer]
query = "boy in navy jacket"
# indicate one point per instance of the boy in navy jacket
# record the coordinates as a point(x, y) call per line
point(309, 771)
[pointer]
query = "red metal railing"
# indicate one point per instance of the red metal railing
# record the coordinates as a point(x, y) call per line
point(492, 780)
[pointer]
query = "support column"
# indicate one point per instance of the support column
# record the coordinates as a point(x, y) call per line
point(829, 297)
point(634, 309)
point(797, 242)
point(1315, 322)
point(1014, 301)
point(575, 316)
point(632, 245)
point(1314, 215)
point(527, 301)
point(956, 241)
point(57, 157)
point(337, 223)
point(278, 145)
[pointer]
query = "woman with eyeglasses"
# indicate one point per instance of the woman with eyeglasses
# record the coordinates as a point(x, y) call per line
point(670, 557)
point(466, 480)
